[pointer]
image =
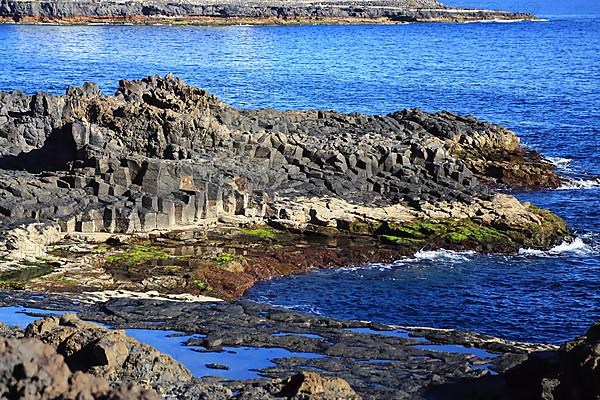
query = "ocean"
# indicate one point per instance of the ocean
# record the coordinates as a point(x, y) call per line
point(540, 79)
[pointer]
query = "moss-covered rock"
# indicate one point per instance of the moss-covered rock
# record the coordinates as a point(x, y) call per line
point(136, 255)
point(467, 234)
point(551, 230)
point(260, 232)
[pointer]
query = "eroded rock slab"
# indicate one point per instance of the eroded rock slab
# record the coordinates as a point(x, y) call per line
point(30, 369)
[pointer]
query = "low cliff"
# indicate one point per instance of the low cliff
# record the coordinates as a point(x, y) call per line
point(234, 12)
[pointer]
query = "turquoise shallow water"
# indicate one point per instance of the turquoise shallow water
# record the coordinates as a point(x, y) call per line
point(540, 79)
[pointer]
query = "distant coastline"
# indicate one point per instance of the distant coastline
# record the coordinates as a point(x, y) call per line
point(228, 12)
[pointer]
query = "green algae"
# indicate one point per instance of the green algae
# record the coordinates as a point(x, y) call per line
point(263, 233)
point(136, 255)
point(359, 227)
point(456, 232)
point(466, 233)
point(224, 259)
point(16, 278)
point(201, 285)
point(401, 241)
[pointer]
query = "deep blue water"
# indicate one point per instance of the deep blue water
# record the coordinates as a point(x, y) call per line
point(540, 79)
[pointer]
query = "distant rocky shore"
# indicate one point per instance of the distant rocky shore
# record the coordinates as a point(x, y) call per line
point(213, 198)
point(232, 12)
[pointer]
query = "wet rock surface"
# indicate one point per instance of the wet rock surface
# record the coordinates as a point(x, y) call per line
point(377, 361)
point(229, 12)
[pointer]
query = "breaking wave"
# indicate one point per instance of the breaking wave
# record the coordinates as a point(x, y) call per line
point(575, 247)
point(575, 183)
point(442, 255)
point(561, 162)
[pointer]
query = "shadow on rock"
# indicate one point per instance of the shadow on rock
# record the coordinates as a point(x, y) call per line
point(58, 151)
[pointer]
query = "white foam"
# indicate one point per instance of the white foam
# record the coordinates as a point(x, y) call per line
point(561, 162)
point(442, 255)
point(574, 183)
point(577, 247)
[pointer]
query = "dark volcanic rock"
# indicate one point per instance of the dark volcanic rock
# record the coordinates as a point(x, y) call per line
point(569, 373)
point(377, 361)
point(572, 372)
point(160, 154)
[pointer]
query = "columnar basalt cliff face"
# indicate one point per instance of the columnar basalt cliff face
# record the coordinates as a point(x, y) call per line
point(160, 154)
point(232, 12)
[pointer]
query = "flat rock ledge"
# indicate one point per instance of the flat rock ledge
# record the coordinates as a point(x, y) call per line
point(65, 357)
point(230, 12)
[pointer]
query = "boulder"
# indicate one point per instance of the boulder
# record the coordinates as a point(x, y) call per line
point(111, 354)
point(312, 386)
point(30, 369)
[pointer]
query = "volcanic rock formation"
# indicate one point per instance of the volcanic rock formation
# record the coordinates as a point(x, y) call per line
point(160, 155)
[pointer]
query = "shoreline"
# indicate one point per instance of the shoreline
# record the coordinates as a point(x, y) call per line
point(163, 187)
point(217, 263)
point(218, 22)
point(234, 21)
point(226, 22)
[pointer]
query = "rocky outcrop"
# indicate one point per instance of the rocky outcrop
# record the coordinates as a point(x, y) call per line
point(233, 12)
point(66, 358)
point(351, 358)
point(310, 385)
point(109, 354)
point(572, 372)
point(30, 369)
point(160, 154)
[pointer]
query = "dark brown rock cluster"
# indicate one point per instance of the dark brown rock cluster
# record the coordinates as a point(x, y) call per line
point(30, 369)
point(69, 359)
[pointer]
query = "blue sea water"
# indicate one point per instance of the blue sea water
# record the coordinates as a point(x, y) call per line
point(541, 79)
